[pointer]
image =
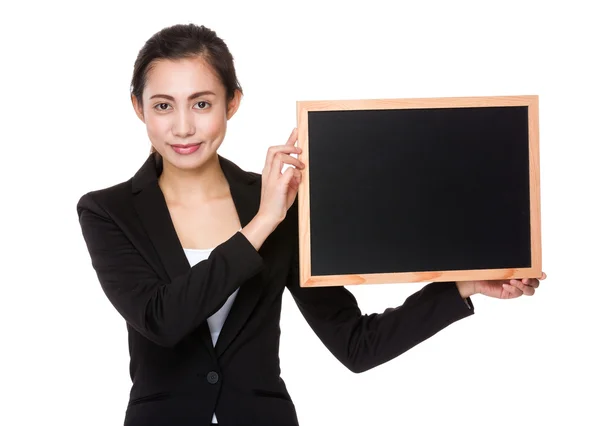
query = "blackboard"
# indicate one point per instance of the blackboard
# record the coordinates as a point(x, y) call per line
point(406, 190)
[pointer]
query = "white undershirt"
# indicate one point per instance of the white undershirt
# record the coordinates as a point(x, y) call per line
point(215, 322)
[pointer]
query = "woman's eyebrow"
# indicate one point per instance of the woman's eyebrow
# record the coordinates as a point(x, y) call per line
point(192, 96)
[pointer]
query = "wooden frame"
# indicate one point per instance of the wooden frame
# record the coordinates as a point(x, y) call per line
point(304, 107)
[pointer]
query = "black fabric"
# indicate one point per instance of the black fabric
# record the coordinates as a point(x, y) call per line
point(178, 377)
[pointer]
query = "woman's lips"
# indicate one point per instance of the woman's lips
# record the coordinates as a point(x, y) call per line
point(186, 149)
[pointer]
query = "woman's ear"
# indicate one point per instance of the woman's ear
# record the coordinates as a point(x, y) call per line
point(234, 104)
point(139, 110)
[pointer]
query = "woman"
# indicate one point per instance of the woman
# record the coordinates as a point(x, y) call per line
point(195, 253)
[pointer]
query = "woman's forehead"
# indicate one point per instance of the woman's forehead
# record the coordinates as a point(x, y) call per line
point(182, 77)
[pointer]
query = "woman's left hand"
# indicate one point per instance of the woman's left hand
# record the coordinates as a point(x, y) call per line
point(500, 289)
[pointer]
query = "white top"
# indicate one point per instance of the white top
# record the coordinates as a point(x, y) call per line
point(216, 321)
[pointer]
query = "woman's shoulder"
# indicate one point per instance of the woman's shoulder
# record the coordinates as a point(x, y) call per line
point(103, 199)
point(121, 193)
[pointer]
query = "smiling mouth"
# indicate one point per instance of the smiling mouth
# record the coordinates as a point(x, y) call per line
point(187, 148)
point(178, 145)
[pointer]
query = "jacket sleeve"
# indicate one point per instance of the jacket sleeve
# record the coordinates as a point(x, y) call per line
point(361, 341)
point(163, 312)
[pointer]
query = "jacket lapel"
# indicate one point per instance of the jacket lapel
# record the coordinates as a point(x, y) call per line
point(152, 209)
point(245, 191)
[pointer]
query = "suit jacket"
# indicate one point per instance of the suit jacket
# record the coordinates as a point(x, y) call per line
point(178, 377)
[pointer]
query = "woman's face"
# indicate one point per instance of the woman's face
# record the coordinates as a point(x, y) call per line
point(185, 111)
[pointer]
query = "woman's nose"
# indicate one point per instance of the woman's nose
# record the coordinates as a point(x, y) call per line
point(184, 124)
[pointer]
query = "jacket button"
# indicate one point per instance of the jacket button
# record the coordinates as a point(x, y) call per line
point(212, 377)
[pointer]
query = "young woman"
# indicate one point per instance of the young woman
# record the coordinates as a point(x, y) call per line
point(195, 254)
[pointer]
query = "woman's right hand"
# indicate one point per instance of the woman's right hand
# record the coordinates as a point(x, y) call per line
point(279, 190)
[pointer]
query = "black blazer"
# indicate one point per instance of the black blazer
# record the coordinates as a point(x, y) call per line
point(179, 378)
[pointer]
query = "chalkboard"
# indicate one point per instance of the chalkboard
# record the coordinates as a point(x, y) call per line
point(408, 190)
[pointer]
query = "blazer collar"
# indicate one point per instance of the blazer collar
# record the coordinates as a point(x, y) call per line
point(152, 209)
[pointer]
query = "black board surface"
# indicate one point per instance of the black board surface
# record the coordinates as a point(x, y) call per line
point(423, 189)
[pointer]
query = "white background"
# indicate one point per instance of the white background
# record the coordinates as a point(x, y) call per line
point(68, 127)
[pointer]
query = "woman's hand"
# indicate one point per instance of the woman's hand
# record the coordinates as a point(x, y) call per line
point(500, 289)
point(279, 190)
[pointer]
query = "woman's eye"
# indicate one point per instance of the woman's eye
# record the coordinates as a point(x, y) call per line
point(164, 106)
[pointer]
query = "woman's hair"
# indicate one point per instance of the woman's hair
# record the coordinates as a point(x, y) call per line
point(185, 41)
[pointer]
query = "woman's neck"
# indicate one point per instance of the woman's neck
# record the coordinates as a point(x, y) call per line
point(199, 185)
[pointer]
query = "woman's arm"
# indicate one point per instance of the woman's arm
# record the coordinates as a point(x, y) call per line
point(164, 312)
point(361, 341)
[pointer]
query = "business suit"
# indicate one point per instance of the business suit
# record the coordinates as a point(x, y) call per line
point(179, 378)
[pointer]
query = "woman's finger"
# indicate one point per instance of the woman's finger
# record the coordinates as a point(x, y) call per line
point(274, 150)
point(280, 158)
point(288, 159)
point(512, 290)
point(525, 289)
point(271, 153)
point(276, 166)
point(298, 175)
point(287, 176)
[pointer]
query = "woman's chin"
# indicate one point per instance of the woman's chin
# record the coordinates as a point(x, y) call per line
point(192, 161)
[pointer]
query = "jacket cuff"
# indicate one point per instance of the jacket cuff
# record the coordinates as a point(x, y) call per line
point(242, 254)
point(454, 304)
point(465, 303)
